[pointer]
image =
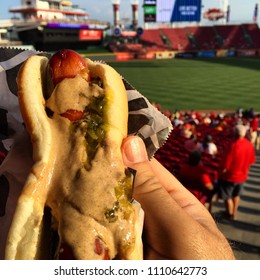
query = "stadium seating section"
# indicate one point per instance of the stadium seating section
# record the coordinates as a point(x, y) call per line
point(173, 154)
point(191, 38)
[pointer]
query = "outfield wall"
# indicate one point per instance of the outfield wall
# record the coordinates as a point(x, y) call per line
point(187, 54)
point(123, 56)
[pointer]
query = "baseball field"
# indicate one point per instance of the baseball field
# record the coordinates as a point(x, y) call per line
point(196, 84)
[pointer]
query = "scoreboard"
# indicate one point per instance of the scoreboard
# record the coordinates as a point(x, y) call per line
point(165, 11)
point(149, 10)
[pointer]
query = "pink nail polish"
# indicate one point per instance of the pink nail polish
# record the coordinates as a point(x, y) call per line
point(135, 150)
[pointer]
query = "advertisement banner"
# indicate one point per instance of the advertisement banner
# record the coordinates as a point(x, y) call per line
point(221, 53)
point(125, 56)
point(185, 54)
point(164, 55)
point(149, 55)
point(90, 35)
point(206, 54)
point(246, 53)
point(178, 10)
point(231, 53)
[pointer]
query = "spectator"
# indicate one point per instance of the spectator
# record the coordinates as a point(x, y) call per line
point(234, 169)
point(207, 120)
point(186, 130)
point(257, 144)
point(2, 157)
point(254, 123)
point(192, 143)
point(176, 122)
point(208, 146)
point(195, 177)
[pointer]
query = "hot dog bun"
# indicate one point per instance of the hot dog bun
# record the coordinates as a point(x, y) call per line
point(78, 172)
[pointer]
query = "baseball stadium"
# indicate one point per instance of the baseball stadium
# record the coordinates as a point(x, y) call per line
point(201, 71)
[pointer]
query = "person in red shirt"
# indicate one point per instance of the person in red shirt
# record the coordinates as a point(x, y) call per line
point(254, 124)
point(194, 176)
point(2, 156)
point(234, 167)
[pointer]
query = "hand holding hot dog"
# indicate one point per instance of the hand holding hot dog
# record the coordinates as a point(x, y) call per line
point(177, 225)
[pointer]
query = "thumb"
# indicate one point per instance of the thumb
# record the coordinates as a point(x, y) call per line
point(147, 187)
point(135, 156)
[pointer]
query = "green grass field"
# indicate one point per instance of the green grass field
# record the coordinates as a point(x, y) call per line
point(196, 84)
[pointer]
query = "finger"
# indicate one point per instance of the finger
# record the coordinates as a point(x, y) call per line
point(135, 156)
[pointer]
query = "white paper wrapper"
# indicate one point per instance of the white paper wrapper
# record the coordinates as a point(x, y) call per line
point(144, 120)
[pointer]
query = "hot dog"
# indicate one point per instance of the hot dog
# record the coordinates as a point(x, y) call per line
point(75, 111)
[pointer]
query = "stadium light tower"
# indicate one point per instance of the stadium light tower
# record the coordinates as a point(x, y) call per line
point(134, 13)
point(116, 6)
point(224, 6)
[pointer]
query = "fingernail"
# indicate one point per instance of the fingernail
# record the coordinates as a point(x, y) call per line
point(135, 150)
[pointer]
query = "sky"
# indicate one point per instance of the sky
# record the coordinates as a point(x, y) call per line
point(241, 10)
